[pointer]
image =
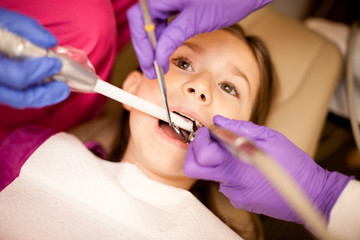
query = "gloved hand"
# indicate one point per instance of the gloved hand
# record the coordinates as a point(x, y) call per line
point(246, 187)
point(194, 17)
point(20, 80)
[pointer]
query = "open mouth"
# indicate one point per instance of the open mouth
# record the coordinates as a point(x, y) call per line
point(189, 136)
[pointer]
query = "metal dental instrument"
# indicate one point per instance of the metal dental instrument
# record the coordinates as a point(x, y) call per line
point(150, 29)
point(82, 79)
point(244, 150)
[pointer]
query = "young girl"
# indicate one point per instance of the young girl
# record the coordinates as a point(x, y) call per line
point(64, 191)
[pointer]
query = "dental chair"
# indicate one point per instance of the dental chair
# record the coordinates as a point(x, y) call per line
point(308, 68)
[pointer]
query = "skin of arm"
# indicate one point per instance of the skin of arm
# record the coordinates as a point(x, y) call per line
point(344, 219)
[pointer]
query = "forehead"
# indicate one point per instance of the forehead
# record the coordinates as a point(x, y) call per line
point(216, 37)
point(222, 42)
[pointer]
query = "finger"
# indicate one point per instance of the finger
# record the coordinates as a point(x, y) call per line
point(208, 152)
point(172, 37)
point(35, 97)
point(192, 169)
point(160, 26)
point(141, 42)
point(23, 74)
point(243, 128)
point(160, 11)
point(205, 159)
point(229, 171)
point(28, 28)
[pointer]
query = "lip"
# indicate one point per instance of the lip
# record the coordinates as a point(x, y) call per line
point(174, 141)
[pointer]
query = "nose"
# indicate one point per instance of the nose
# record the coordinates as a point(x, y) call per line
point(199, 88)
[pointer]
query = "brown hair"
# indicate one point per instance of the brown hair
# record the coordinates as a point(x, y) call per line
point(267, 78)
point(263, 100)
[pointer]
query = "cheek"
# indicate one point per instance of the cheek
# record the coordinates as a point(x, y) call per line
point(149, 90)
point(237, 112)
point(239, 109)
point(138, 128)
point(175, 76)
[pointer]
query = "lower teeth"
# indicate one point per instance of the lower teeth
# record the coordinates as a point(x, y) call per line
point(191, 137)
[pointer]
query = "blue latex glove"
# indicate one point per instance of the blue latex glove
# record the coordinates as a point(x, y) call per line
point(195, 17)
point(246, 187)
point(20, 80)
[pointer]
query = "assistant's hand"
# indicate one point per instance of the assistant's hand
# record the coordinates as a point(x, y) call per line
point(246, 187)
point(20, 80)
point(194, 17)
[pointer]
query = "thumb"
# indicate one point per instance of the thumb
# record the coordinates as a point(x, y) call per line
point(244, 128)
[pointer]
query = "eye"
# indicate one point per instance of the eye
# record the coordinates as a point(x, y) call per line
point(229, 88)
point(183, 63)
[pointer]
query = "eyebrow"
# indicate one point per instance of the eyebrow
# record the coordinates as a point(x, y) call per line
point(236, 71)
point(196, 48)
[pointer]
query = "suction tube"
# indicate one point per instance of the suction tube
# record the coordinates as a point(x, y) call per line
point(140, 104)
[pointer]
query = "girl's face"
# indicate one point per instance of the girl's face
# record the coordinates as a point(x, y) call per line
point(211, 74)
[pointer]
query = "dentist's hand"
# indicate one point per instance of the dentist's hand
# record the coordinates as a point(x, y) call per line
point(246, 187)
point(20, 80)
point(194, 17)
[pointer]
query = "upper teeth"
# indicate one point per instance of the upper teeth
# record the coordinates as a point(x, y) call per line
point(196, 126)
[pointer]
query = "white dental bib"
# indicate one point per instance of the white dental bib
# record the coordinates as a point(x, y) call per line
point(65, 192)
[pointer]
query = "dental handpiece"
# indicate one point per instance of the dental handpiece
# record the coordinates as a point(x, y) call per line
point(245, 150)
point(78, 77)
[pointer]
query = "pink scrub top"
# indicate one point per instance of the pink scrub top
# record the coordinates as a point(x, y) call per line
point(99, 28)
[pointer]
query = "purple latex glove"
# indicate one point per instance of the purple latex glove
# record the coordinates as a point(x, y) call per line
point(246, 187)
point(194, 17)
point(19, 80)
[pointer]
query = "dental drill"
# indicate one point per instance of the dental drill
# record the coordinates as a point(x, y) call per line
point(82, 79)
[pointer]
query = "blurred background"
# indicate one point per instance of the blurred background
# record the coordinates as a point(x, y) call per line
point(345, 11)
point(337, 149)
